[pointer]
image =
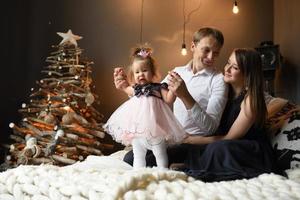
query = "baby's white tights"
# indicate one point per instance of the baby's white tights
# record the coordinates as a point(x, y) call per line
point(140, 146)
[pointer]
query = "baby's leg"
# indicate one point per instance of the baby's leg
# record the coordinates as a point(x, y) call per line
point(139, 153)
point(160, 153)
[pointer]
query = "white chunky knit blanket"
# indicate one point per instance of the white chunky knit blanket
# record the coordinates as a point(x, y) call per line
point(109, 178)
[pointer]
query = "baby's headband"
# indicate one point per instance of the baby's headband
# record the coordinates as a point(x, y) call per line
point(144, 53)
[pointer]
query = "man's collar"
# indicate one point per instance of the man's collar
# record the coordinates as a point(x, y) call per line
point(203, 71)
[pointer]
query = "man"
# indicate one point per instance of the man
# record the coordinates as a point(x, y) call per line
point(200, 88)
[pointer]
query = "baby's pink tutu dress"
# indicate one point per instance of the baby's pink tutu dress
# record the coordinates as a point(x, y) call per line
point(145, 115)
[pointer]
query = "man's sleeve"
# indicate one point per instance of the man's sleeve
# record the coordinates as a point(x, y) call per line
point(208, 120)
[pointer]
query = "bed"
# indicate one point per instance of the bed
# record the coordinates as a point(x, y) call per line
point(108, 177)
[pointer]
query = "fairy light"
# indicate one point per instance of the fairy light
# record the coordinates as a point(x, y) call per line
point(11, 125)
point(59, 133)
point(67, 108)
point(141, 25)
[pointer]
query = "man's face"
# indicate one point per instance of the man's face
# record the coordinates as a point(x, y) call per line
point(206, 51)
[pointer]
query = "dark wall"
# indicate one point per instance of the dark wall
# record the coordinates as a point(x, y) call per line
point(286, 33)
point(15, 63)
point(109, 29)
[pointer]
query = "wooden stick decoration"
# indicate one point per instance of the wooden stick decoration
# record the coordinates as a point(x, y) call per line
point(62, 159)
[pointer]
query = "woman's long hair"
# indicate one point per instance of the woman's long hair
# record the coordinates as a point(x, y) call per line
point(249, 62)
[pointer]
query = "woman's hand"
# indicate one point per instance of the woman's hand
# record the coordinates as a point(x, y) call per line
point(120, 78)
point(187, 140)
point(199, 139)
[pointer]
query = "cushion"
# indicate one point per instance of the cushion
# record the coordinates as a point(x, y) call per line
point(278, 112)
point(285, 130)
point(275, 104)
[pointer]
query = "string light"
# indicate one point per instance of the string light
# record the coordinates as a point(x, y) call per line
point(186, 19)
point(141, 25)
point(235, 8)
point(183, 46)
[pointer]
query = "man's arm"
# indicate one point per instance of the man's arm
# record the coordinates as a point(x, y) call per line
point(208, 120)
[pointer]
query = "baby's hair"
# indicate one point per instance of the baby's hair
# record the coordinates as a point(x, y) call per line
point(143, 53)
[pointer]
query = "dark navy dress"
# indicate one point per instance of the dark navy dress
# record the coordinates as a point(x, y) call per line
point(246, 157)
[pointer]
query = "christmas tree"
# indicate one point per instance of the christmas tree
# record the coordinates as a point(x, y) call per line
point(59, 124)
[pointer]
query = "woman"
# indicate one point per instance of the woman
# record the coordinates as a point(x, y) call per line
point(241, 149)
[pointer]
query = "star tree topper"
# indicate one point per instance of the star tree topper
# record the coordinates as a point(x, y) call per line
point(69, 37)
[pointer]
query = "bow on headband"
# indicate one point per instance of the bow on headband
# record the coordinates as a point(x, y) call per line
point(144, 53)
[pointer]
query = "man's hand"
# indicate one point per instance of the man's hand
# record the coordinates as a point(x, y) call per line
point(120, 78)
point(177, 85)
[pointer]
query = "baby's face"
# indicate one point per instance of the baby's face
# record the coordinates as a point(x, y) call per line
point(141, 72)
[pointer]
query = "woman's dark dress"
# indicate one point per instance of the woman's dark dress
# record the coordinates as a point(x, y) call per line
point(247, 157)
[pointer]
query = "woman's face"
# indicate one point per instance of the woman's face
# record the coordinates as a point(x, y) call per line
point(232, 72)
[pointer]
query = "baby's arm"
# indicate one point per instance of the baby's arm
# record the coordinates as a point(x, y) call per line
point(168, 96)
point(121, 83)
point(129, 91)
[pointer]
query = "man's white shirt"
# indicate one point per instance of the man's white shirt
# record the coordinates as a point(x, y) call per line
point(208, 89)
